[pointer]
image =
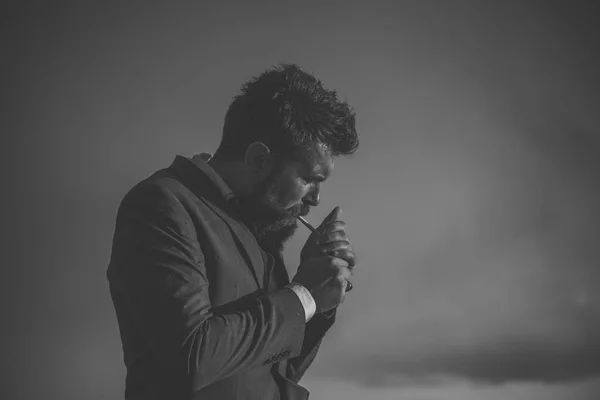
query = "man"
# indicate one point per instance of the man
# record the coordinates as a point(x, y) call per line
point(204, 303)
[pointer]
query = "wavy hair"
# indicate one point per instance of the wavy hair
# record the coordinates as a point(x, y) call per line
point(288, 109)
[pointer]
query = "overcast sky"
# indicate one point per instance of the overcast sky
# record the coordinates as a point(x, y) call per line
point(473, 200)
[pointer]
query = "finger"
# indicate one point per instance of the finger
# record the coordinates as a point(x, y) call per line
point(343, 274)
point(335, 226)
point(333, 237)
point(334, 246)
point(346, 255)
point(340, 282)
point(344, 285)
point(333, 216)
point(337, 264)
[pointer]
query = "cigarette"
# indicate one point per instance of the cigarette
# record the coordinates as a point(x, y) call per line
point(308, 225)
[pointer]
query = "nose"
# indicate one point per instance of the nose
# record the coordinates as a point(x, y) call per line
point(312, 198)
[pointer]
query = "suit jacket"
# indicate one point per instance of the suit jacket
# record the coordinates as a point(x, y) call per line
point(202, 309)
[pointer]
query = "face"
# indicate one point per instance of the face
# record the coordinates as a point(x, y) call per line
point(288, 191)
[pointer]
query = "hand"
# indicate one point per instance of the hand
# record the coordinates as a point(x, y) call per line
point(326, 278)
point(332, 240)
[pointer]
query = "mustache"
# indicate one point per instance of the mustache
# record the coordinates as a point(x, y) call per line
point(299, 211)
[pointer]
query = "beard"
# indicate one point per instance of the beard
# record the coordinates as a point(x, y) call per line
point(271, 224)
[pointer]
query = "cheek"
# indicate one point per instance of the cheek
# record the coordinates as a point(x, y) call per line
point(290, 194)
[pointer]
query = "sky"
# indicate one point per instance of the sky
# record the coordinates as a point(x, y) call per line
point(472, 202)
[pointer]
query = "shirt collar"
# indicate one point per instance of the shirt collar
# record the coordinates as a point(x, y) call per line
point(201, 161)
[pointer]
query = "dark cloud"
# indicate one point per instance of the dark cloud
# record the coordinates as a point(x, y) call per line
point(490, 364)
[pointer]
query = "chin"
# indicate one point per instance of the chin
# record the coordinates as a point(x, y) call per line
point(275, 238)
point(291, 220)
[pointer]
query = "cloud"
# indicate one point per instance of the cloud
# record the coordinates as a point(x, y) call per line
point(508, 362)
point(455, 390)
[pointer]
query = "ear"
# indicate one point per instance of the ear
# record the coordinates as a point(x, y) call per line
point(259, 159)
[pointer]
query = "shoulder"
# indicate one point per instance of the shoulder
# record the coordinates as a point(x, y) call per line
point(159, 194)
point(161, 188)
point(163, 196)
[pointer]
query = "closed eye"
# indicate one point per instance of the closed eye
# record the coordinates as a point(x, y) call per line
point(315, 179)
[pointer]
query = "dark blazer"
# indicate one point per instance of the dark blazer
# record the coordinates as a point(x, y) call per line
point(202, 309)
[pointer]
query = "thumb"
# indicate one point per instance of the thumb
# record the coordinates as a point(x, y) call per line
point(334, 215)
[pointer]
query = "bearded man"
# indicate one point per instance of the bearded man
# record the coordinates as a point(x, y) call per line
point(204, 303)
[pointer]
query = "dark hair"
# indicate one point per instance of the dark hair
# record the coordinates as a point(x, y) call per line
point(287, 109)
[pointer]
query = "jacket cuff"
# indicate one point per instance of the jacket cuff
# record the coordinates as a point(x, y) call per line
point(308, 302)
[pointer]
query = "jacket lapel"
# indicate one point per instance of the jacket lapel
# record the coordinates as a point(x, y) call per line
point(203, 187)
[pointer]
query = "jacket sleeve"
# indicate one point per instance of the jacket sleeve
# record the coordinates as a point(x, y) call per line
point(315, 331)
point(159, 269)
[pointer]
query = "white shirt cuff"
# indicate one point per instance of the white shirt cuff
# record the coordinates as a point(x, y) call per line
point(310, 307)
